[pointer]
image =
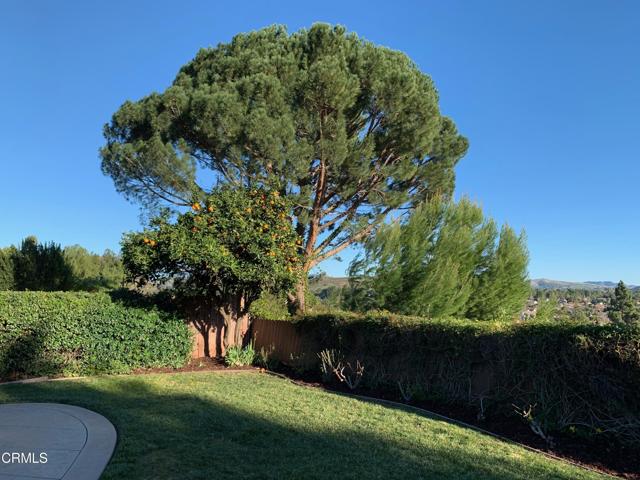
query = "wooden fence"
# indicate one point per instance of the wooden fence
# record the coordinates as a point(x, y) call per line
point(279, 338)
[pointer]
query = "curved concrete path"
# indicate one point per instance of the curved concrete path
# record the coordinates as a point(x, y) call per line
point(53, 441)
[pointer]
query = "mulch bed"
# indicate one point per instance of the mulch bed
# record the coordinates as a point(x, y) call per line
point(203, 364)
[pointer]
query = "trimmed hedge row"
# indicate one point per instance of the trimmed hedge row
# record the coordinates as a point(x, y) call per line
point(578, 379)
point(70, 333)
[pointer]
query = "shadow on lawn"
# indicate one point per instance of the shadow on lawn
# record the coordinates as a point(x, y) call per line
point(162, 434)
point(23, 355)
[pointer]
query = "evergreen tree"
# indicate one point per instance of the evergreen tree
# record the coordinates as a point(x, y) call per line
point(360, 295)
point(53, 272)
point(395, 258)
point(622, 308)
point(25, 265)
point(350, 130)
point(40, 267)
point(463, 241)
point(503, 288)
point(443, 260)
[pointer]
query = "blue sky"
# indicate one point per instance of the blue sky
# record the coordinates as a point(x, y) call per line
point(547, 92)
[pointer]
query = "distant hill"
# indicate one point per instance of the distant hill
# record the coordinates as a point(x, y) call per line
point(605, 284)
point(322, 283)
point(546, 284)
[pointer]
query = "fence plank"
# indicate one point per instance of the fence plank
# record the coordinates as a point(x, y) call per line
point(282, 341)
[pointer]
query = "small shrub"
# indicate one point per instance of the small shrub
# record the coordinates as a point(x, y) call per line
point(328, 362)
point(237, 356)
point(406, 389)
point(333, 365)
point(266, 359)
point(301, 363)
point(534, 424)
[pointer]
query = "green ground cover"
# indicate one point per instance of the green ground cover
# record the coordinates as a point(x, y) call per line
point(251, 425)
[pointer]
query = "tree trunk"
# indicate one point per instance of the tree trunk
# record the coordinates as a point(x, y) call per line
point(242, 320)
point(298, 301)
point(229, 326)
point(236, 321)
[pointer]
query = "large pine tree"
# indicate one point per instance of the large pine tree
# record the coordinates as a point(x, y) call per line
point(352, 131)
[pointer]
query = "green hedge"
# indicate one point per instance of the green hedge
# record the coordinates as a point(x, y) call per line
point(51, 333)
point(579, 379)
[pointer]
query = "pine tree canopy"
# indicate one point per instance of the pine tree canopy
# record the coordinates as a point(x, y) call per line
point(350, 130)
point(445, 259)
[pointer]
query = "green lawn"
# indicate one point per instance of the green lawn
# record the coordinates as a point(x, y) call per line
point(251, 425)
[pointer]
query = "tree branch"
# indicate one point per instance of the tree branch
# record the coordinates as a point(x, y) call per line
point(353, 239)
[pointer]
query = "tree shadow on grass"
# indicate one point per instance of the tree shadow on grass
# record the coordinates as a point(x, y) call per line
point(24, 355)
point(240, 433)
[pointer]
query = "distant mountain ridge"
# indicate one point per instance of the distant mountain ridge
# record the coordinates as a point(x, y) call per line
point(604, 284)
point(547, 284)
point(325, 282)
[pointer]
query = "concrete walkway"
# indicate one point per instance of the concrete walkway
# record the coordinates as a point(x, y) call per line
point(53, 441)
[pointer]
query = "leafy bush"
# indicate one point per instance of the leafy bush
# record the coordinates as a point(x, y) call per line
point(236, 356)
point(577, 378)
point(270, 307)
point(49, 333)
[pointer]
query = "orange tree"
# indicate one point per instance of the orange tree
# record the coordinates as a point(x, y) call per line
point(229, 249)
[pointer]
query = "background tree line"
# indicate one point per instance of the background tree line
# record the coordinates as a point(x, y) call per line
point(49, 267)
